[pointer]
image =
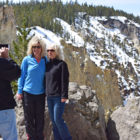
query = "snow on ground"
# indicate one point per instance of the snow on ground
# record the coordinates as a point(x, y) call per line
point(93, 28)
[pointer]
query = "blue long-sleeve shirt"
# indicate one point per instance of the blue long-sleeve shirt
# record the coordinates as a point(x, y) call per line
point(32, 76)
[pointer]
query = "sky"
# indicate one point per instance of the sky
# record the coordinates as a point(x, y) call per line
point(129, 6)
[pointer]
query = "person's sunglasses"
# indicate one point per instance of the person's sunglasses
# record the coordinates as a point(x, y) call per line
point(38, 47)
point(51, 50)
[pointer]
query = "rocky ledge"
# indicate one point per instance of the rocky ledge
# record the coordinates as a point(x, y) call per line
point(83, 113)
point(85, 118)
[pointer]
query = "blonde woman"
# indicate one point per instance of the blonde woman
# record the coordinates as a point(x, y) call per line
point(31, 88)
point(57, 80)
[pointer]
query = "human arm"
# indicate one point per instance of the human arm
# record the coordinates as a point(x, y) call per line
point(21, 80)
point(64, 82)
point(9, 69)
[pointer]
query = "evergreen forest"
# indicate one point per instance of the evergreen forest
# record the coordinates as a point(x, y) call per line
point(43, 13)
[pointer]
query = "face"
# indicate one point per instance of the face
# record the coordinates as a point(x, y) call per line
point(51, 53)
point(37, 50)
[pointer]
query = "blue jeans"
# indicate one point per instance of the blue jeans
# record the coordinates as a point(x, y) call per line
point(8, 129)
point(56, 110)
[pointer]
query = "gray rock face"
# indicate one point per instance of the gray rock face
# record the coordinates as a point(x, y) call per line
point(127, 28)
point(20, 121)
point(83, 114)
point(7, 25)
point(125, 122)
point(84, 71)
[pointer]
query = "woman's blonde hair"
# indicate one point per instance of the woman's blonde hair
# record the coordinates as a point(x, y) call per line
point(33, 42)
point(58, 50)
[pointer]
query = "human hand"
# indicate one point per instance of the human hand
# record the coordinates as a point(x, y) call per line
point(63, 100)
point(4, 52)
point(19, 96)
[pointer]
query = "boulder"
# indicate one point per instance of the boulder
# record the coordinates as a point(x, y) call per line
point(124, 123)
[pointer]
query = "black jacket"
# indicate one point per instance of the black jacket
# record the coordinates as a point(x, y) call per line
point(9, 71)
point(57, 78)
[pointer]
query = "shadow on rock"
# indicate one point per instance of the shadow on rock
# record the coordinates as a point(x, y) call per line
point(111, 130)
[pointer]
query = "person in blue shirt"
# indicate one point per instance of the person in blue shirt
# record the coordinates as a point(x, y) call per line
point(31, 88)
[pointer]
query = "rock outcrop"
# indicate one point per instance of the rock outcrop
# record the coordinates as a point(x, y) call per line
point(7, 25)
point(129, 29)
point(124, 123)
point(83, 113)
point(85, 72)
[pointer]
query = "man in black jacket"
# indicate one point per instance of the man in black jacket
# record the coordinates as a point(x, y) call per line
point(9, 71)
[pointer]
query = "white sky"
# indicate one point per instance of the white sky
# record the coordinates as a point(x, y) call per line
point(129, 6)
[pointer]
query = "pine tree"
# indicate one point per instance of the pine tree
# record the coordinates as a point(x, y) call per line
point(20, 47)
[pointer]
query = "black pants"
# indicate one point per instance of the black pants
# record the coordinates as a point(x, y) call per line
point(34, 107)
